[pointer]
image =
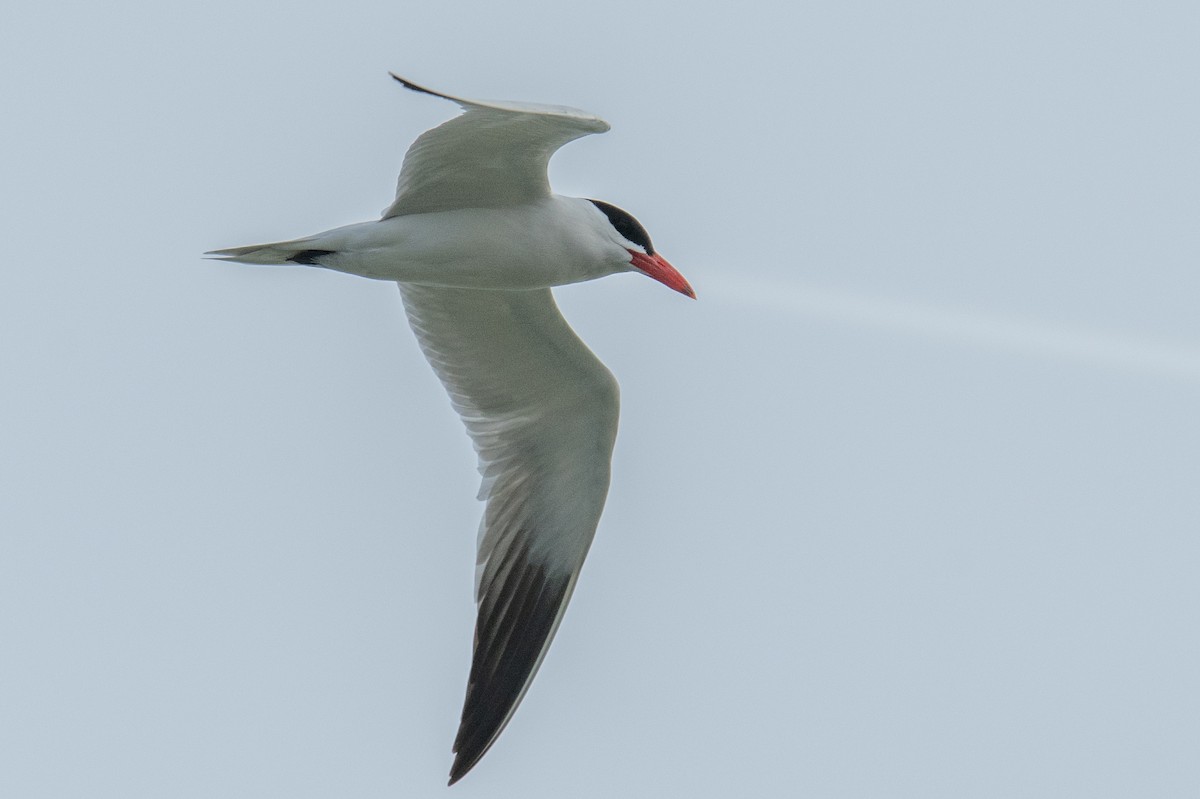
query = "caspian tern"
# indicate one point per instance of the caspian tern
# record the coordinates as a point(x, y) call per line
point(475, 239)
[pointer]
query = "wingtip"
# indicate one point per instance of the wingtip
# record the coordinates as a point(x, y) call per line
point(464, 759)
point(461, 767)
point(408, 84)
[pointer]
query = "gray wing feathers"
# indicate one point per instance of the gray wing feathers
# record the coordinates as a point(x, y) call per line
point(495, 154)
point(542, 412)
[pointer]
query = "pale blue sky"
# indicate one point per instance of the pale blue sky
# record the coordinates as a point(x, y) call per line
point(904, 505)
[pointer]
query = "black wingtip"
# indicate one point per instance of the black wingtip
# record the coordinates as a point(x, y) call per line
point(309, 257)
point(408, 84)
point(461, 765)
point(515, 624)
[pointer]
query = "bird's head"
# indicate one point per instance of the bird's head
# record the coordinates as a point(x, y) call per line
point(634, 239)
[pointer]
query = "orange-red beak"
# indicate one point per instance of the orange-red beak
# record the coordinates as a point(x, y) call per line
point(656, 266)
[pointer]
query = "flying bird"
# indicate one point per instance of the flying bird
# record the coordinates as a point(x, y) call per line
point(475, 238)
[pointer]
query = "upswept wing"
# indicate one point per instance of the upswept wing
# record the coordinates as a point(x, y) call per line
point(493, 155)
point(542, 411)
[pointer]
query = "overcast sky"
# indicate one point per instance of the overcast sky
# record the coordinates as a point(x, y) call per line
point(905, 505)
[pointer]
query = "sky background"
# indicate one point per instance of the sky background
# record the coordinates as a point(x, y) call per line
point(905, 505)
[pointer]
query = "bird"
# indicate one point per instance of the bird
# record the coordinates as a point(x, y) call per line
point(476, 239)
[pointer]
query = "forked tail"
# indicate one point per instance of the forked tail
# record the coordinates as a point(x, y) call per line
point(297, 251)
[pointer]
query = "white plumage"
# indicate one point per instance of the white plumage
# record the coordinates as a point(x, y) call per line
point(475, 239)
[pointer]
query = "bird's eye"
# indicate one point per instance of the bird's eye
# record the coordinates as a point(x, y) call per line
point(626, 225)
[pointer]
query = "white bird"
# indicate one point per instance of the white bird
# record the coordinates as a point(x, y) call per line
point(475, 239)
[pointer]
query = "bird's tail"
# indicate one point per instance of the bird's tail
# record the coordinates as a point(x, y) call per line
point(298, 251)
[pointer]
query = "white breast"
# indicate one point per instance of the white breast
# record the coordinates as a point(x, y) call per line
point(552, 242)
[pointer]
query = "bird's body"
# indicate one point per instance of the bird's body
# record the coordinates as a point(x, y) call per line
point(551, 241)
point(475, 239)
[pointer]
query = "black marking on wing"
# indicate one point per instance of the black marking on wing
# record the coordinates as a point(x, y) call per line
point(309, 257)
point(517, 614)
point(408, 84)
point(626, 225)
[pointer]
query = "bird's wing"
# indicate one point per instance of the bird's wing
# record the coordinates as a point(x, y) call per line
point(493, 155)
point(542, 411)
